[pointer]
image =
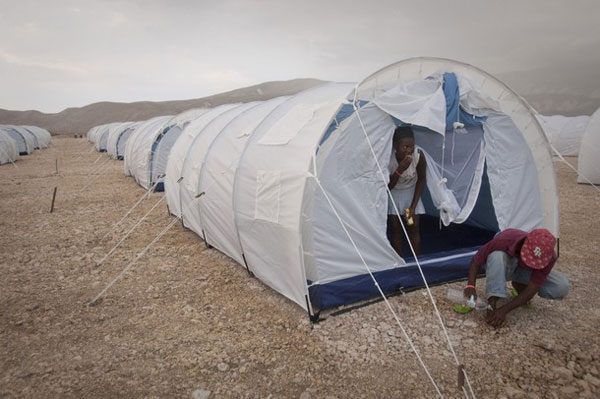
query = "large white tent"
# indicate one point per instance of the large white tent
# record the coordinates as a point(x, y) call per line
point(295, 188)
point(589, 161)
point(564, 132)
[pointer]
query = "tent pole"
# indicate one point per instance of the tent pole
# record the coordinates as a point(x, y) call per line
point(314, 318)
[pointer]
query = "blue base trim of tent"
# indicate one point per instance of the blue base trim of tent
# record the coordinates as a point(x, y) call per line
point(160, 187)
point(438, 268)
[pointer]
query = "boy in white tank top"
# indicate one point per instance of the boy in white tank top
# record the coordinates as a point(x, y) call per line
point(407, 179)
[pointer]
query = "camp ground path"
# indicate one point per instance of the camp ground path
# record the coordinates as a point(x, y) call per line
point(186, 321)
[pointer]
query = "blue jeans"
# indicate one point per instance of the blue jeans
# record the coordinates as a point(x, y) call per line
point(501, 267)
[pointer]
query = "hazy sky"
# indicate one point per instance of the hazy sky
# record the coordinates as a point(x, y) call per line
point(58, 53)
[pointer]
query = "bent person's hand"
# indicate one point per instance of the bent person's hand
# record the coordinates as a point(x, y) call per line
point(470, 291)
point(496, 317)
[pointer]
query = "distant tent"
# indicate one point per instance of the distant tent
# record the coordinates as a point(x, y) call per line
point(138, 147)
point(152, 146)
point(117, 138)
point(164, 141)
point(91, 134)
point(258, 181)
point(42, 135)
point(9, 151)
point(564, 132)
point(589, 159)
point(101, 136)
point(23, 138)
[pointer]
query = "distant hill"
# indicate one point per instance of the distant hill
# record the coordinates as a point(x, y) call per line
point(80, 120)
point(548, 90)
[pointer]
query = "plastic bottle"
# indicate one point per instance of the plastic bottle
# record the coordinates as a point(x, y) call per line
point(458, 297)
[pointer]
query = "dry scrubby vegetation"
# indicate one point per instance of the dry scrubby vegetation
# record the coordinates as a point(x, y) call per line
point(187, 318)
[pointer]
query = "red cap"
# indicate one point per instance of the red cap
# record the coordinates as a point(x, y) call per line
point(538, 248)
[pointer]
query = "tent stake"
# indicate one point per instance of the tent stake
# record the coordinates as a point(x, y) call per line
point(53, 198)
point(247, 268)
point(461, 377)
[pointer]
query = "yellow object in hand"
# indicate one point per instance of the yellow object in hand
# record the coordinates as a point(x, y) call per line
point(409, 219)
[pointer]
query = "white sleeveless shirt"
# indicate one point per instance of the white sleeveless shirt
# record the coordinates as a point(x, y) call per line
point(409, 176)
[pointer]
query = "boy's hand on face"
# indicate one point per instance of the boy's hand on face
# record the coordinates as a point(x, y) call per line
point(404, 163)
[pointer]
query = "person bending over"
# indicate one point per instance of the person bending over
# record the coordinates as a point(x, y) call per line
point(407, 180)
point(524, 258)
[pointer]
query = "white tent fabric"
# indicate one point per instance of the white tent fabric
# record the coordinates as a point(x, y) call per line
point(138, 148)
point(117, 137)
point(218, 176)
point(91, 134)
point(42, 135)
point(188, 188)
point(564, 132)
point(29, 137)
point(24, 141)
point(102, 136)
point(589, 161)
point(9, 151)
point(178, 154)
point(164, 141)
point(248, 177)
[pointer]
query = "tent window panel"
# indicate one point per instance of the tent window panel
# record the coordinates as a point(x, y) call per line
point(268, 191)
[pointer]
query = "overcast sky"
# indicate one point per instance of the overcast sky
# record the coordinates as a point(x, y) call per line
point(58, 53)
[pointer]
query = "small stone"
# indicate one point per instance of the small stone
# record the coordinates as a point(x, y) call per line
point(563, 372)
point(513, 392)
point(584, 385)
point(569, 390)
point(223, 367)
point(592, 380)
point(305, 395)
point(469, 323)
point(201, 393)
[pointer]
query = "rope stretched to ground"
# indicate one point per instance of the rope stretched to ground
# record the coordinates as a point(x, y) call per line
point(130, 231)
point(138, 256)
point(559, 155)
point(437, 312)
point(98, 174)
point(406, 336)
point(147, 193)
point(9, 158)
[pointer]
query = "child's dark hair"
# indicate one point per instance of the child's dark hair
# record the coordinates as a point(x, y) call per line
point(403, 132)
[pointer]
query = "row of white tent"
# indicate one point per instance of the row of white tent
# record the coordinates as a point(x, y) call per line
point(21, 140)
point(295, 188)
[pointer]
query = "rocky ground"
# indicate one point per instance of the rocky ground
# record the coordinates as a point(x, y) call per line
point(186, 321)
